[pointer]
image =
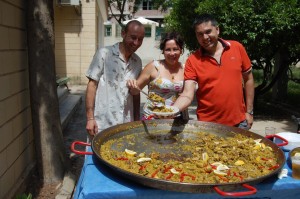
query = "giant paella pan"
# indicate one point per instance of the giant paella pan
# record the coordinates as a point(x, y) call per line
point(188, 156)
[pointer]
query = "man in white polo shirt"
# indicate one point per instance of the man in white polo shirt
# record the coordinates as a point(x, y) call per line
point(108, 101)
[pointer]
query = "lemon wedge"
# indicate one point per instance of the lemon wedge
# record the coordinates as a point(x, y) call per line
point(239, 163)
point(204, 156)
point(297, 154)
point(216, 164)
point(258, 159)
point(222, 167)
point(173, 170)
point(130, 152)
point(257, 141)
point(144, 160)
point(141, 155)
point(217, 172)
point(257, 146)
point(267, 147)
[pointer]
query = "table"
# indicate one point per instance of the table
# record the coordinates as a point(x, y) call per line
point(97, 181)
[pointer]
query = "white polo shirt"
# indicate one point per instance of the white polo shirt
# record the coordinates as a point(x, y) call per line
point(113, 103)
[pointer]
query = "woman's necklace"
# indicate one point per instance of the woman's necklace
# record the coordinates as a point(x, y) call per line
point(167, 67)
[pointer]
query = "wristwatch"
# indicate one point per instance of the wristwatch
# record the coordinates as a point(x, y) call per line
point(250, 112)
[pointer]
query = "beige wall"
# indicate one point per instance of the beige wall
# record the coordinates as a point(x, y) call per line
point(77, 38)
point(16, 135)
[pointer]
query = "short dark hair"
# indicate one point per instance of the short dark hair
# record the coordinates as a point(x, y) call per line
point(203, 18)
point(135, 22)
point(171, 36)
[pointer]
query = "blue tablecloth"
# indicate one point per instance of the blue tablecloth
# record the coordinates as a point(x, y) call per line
point(98, 181)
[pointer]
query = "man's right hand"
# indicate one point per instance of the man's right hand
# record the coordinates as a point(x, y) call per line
point(132, 86)
point(92, 127)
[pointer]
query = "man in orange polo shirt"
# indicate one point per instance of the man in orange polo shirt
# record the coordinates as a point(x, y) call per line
point(223, 72)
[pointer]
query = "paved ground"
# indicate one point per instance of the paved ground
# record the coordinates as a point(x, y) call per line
point(75, 130)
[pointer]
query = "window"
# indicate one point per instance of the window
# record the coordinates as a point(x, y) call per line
point(147, 5)
point(107, 31)
point(118, 30)
point(147, 31)
point(159, 32)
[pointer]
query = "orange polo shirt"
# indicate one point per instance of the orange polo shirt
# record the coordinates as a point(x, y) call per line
point(220, 86)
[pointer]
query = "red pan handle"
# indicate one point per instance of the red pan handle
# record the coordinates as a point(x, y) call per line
point(285, 142)
point(80, 152)
point(252, 190)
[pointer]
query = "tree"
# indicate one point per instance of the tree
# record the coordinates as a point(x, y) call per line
point(51, 155)
point(121, 13)
point(266, 28)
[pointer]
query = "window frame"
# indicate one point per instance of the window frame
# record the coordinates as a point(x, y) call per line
point(108, 33)
point(148, 31)
point(147, 5)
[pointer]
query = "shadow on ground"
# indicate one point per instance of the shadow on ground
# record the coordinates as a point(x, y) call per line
point(75, 131)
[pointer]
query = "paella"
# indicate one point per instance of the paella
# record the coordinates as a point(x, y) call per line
point(200, 158)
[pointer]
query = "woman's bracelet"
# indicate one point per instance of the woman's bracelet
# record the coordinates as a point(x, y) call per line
point(90, 118)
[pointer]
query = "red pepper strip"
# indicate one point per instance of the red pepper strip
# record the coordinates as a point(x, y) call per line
point(167, 169)
point(274, 167)
point(154, 174)
point(213, 166)
point(178, 169)
point(142, 167)
point(185, 174)
point(181, 177)
point(150, 117)
point(228, 172)
point(223, 178)
point(169, 176)
point(266, 159)
point(236, 175)
point(122, 158)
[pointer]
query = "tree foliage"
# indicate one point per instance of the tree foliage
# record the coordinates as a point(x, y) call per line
point(119, 9)
point(266, 28)
point(162, 5)
point(122, 10)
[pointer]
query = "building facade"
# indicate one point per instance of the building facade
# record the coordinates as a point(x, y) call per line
point(17, 157)
point(77, 33)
